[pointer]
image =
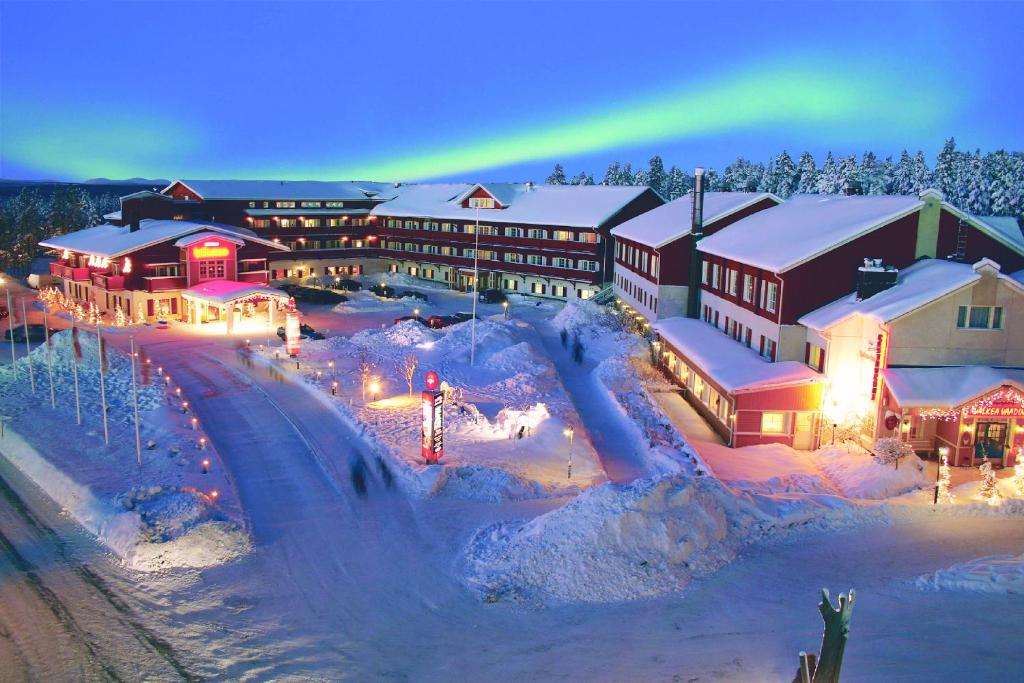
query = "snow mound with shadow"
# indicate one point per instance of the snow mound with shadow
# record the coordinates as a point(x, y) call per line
point(621, 542)
point(993, 574)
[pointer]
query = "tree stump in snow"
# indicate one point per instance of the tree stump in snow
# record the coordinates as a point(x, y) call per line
point(833, 642)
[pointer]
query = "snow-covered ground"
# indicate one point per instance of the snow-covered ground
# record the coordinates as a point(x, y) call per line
point(164, 513)
point(994, 574)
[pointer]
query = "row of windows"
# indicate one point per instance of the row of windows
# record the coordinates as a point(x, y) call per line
point(638, 258)
point(700, 389)
point(491, 255)
point(508, 284)
point(712, 275)
point(638, 293)
point(304, 205)
point(980, 317)
point(494, 231)
point(343, 243)
point(308, 222)
point(767, 348)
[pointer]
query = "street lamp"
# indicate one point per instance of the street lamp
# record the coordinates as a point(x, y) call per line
point(416, 312)
point(374, 389)
point(570, 434)
point(504, 306)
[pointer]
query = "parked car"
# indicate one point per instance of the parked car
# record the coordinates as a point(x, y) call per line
point(35, 333)
point(305, 332)
point(317, 296)
point(348, 285)
point(463, 317)
point(3, 312)
point(436, 322)
point(383, 291)
point(417, 318)
point(492, 296)
point(413, 294)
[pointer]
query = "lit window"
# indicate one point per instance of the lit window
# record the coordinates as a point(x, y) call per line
point(284, 205)
point(773, 423)
point(564, 235)
point(481, 203)
point(310, 205)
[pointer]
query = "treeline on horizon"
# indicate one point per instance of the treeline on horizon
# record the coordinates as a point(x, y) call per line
point(986, 185)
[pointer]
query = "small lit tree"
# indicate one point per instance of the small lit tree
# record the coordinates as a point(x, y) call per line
point(119, 317)
point(889, 450)
point(140, 315)
point(409, 368)
point(988, 492)
point(366, 367)
point(945, 495)
point(1018, 475)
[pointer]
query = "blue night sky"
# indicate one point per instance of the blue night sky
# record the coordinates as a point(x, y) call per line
point(492, 91)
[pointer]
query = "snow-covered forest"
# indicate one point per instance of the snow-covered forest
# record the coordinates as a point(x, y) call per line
point(989, 184)
point(32, 215)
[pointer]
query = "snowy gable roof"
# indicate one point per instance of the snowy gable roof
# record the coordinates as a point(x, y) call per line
point(1004, 229)
point(735, 367)
point(288, 189)
point(671, 221)
point(225, 291)
point(916, 286)
point(583, 206)
point(947, 387)
point(112, 241)
point(796, 231)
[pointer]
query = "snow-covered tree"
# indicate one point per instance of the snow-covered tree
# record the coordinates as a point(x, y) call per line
point(640, 177)
point(140, 315)
point(409, 364)
point(657, 179)
point(946, 174)
point(890, 450)
point(945, 493)
point(828, 179)
point(557, 176)
point(807, 175)
point(613, 176)
point(712, 181)
point(988, 491)
point(679, 183)
point(742, 176)
point(872, 175)
point(119, 318)
point(783, 176)
point(626, 175)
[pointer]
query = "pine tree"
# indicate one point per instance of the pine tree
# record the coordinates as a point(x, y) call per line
point(613, 176)
point(988, 491)
point(807, 175)
point(922, 176)
point(871, 175)
point(119, 318)
point(945, 173)
point(657, 180)
point(557, 176)
point(626, 175)
point(783, 177)
point(712, 181)
point(640, 178)
point(678, 183)
point(828, 179)
point(848, 172)
point(945, 494)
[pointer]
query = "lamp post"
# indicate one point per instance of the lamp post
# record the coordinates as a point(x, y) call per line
point(374, 390)
point(570, 434)
point(10, 324)
point(504, 306)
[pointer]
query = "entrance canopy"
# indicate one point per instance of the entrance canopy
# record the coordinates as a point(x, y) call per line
point(948, 387)
point(228, 292)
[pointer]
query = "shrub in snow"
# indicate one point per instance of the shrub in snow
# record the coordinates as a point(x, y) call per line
point(890, 450)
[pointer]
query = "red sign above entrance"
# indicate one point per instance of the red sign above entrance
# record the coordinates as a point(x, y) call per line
point(210, 249)
point(998, 410)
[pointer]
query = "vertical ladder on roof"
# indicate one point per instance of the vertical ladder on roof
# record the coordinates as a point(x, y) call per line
point(961, 242)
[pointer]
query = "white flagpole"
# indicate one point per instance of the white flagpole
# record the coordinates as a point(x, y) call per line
point(74, 369)
point(103, 386)
point(270, 321)
point(10, 327)
point(28, 347)
point(135, 402)
point(49, 363)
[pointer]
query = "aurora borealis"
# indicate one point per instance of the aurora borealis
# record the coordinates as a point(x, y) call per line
point(419, 90)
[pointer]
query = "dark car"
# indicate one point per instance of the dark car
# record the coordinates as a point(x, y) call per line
point(463, 317)
point(317, 296)
point(305, 332)
point(348, 285)
point(383, 291)
point(436, 322)
point(417, 318)
point(415, 295)
point(35, 333)
point(492, 296)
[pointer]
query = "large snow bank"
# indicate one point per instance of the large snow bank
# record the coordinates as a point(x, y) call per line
point(859, 475)
point(618, 542)
point(994, 574)
point(167, 521)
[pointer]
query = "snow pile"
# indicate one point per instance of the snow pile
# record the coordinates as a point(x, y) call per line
point(859, 475)
point(617, 542)
point(994, 574)
point(404, 334)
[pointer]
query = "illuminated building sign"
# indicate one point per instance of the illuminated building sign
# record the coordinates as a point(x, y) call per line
point(432, 430)
point(210, 250)
point(999, 410)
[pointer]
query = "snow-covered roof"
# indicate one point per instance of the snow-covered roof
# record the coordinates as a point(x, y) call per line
point(916, 286)
point(306, 212)
point(189, 240)
point(225, 291)
point(1003, 229)
point(671, 221)
point(796, 231)
point(581, 206)
point(112, 241)
point(947, 387)
point(288, 189)
point(735, 367)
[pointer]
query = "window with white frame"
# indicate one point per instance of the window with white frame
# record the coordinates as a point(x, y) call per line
point(513, 257)
point(716, 272)
point(334, 205)
point(773, 423)
point(481, 202)
point(537, 260)
point(563, 235)
point(310, 205)
point(704, 272)
point(748, 288)
point(430, 225)
point(411, 225)
point(588, 237)
point(449, 227)
point(488, 230)
point(771, 296)
point(538, 234)
point(586, 265)
point(284, 205)
point(732, 278)
point(430, 248)
point(448, 251)
point(488, 255)
point(311, 222)
point(561, 262)
point(469, 253)
point(979, 317)
point(513, 232)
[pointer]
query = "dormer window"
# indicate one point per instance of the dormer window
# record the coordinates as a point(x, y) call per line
point(481, 202)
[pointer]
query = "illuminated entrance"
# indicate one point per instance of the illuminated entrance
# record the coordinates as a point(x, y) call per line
point(238, 305)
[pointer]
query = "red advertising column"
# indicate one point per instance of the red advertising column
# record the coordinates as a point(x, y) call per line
point(292, 329)
point(432, 430)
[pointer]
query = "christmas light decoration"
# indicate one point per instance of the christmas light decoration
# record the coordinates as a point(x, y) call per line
point(945, 495)
point(988, 491)
point(1018, 476)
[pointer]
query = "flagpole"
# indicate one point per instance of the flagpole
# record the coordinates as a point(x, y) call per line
point(28, 347)
point(10, 327)
point(49, 363)
point(476, 287)
point(74, 367)
point(103, 386)
point(135, 402)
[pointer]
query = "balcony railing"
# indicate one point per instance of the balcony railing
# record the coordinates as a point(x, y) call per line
point(163, 283)
point(257, 276)
point(111, 283)
point(69, 273)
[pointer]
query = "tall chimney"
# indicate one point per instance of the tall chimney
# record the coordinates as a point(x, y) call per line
point(133, 226)
point(696, 233)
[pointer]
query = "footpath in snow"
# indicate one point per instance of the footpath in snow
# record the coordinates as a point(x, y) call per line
point(166, 513)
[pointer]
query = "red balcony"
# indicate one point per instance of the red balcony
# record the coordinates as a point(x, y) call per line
point(111, 283)
point(69, 273)
point(165, 283)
